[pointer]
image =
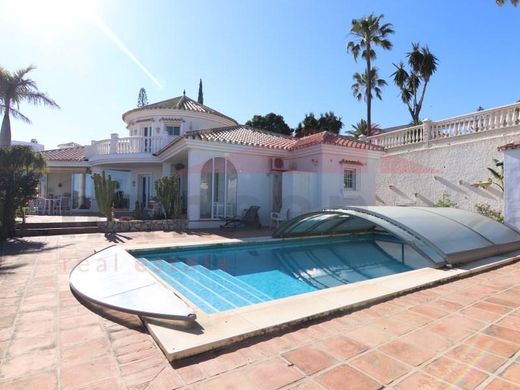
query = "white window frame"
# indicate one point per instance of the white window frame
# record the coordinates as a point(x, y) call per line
point(352, 181)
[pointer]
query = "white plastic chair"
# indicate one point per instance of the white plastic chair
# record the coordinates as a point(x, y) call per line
point(279, 217)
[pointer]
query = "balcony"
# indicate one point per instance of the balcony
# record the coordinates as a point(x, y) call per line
point(127, 145)
point(476, 124)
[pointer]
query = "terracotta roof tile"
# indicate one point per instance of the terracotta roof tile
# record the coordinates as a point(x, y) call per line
point(249, 136)
point(509, 146)
point(180, 103)
point(65, 154)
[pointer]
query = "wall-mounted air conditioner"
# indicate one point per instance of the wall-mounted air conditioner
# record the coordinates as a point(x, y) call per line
point(279, 164)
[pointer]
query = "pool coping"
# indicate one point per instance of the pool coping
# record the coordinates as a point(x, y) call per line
point(217, 330)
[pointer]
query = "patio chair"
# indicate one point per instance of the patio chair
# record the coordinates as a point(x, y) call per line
point(249, 218)
point(279, 217)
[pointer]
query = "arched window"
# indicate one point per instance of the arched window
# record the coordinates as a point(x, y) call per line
point(218, 189)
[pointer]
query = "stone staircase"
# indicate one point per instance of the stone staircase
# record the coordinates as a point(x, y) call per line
point(55, 228)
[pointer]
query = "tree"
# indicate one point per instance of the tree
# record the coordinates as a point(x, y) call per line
point(14, 89)
point(368, 34)
point(514, 3)
point(362, 90)
point(361, 129)
point(308, 126)
point(200, 98)
point(104, 188)
point(496, 178)
point(270, 122)
point(326, 122)
point(413, 82)
point(330, 122)
point(20, 171)
point(142, 99)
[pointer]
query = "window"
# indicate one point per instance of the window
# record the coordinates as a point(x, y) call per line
point(173, 130)
point(349, 179)
point(218, 189)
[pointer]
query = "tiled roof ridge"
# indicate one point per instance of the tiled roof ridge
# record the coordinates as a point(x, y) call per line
point(75, 153)
point(236, 127)
point(509, 146)
point(177, 103)
point(65, 148)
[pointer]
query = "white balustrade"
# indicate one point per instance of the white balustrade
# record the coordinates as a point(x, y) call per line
point(129, 145)
point(476, 122)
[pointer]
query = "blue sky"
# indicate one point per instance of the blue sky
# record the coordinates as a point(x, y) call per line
point(255, 57)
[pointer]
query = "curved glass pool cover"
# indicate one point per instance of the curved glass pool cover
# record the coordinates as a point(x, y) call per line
point(441, 235)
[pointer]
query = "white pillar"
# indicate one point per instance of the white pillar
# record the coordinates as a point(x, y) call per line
point(166, 169)
point(113, 143)
point(193, 188)
point(427, 128)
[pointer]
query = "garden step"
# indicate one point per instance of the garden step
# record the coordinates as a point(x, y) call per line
point(54, 231)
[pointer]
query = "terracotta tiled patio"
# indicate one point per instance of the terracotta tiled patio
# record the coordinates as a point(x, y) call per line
point(465, 334)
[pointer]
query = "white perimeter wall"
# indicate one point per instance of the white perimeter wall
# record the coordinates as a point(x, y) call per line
point(419, 176)
point(512, 187)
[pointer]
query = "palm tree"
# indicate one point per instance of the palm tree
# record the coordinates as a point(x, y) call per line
point(365, 85)
point(423, 64)
point(361, 129)
point(513, 2)
point(15, 88)
point(368, 34)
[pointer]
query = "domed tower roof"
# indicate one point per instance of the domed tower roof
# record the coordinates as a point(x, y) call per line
point(183, 103)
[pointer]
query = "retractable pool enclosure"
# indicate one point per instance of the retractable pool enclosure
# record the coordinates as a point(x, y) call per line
point(440, 235)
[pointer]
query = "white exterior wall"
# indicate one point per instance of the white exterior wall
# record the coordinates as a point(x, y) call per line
point(253, 186)
point(512, 187)
point(324, 161)
point(416, 175)
point(300, 192)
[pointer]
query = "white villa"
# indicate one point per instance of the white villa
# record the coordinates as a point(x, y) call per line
point(224, 167)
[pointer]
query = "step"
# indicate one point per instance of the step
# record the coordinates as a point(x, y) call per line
point(226, 287)
point(159, 268)
point(45, 225)
point(55, 231)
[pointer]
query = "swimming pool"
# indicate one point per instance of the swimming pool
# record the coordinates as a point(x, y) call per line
point(223, 277)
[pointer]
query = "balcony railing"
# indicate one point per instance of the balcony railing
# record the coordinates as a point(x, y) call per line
point(128, 145)
point(477, 122)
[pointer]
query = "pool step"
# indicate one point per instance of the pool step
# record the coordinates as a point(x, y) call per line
point(165, 272)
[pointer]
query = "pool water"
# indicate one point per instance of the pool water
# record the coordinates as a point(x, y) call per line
point(223, 277)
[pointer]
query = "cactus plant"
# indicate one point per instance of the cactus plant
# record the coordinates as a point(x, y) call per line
point(168, 192)
point(105, 188)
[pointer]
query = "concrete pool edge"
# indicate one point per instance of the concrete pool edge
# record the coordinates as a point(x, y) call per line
point(226, 328)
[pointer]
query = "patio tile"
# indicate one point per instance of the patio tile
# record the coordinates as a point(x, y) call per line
point(493, 345)
point(499, 384)
point(480, 314)
point(369, 335)
point(42, 381)
point(190, 372)
point(420, 381)
point(409, 317)
point(476, 358)
point(512, 373)
point(24, 345)
point(429, 310)
point(456, 373)
point(83, 374)
point(512, 321)
point(84, 351)
point(499, 309)
point(407, 353)
point(503, 333)
point(27, 364)
point(166, 379)
point(309, 359)
point(342, 347)
point(345, 378)
point(273, 374)
point(79, 334)
point(379, 366)
point(235, 380)
point(424, 338)
point(221, 363)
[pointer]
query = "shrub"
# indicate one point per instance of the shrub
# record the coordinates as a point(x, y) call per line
point(105, 189)
point(20, 171)
point(486, 210)
point(169, 194)
point(446, 201)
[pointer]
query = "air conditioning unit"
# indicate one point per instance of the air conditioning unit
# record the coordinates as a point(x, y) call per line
point(279, 164)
